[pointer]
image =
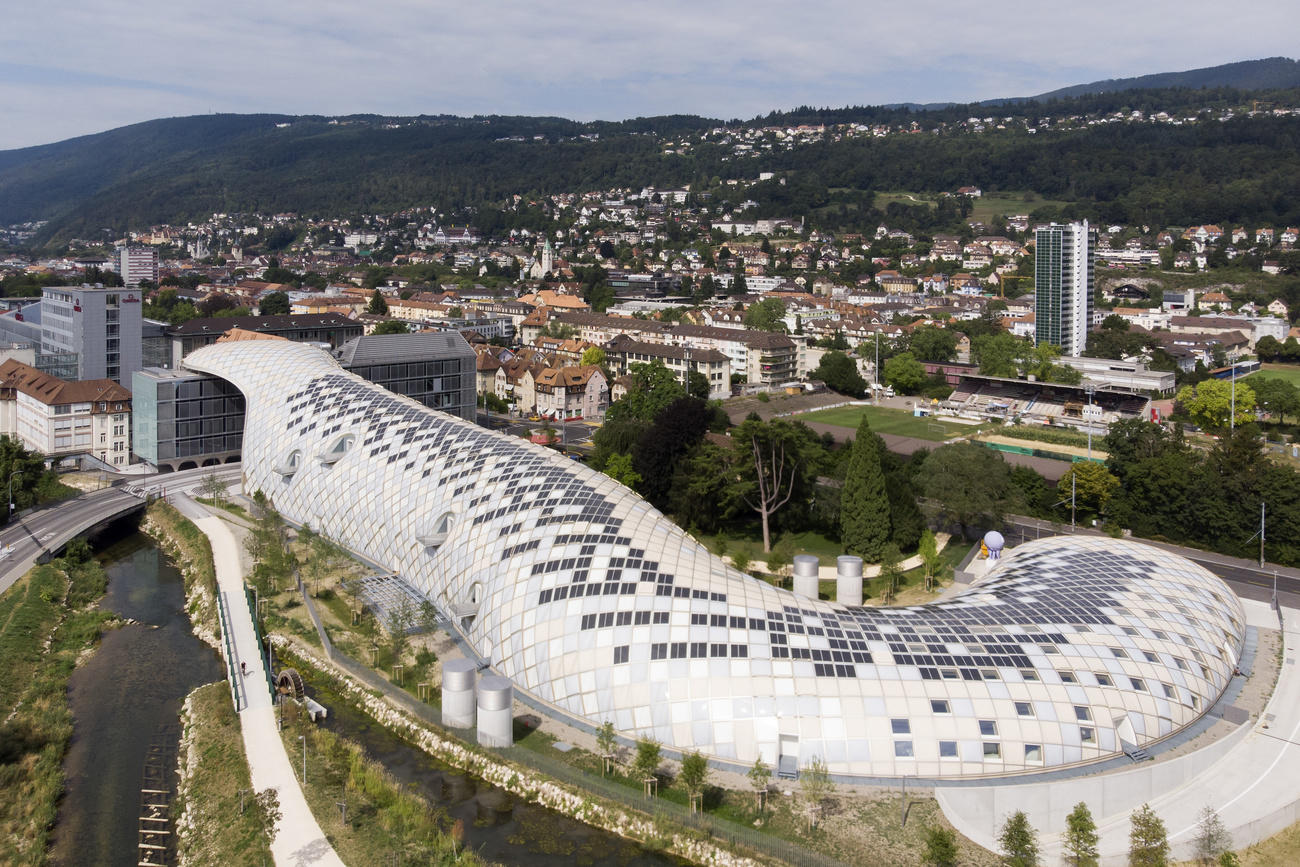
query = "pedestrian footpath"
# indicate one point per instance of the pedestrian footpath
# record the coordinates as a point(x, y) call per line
point(299, 840)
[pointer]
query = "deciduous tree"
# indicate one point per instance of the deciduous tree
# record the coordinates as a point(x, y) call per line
point(1212, 837)
point(1210, 403)
point(694, 775)
point(760, 777)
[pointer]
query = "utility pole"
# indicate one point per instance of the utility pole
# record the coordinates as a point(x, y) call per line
point(1261, 543)
point(1090, 390)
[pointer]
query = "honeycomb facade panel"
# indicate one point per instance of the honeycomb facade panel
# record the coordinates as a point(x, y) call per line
point(1070, 650)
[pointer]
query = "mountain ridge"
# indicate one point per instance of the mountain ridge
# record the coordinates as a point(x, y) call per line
point(173, 169)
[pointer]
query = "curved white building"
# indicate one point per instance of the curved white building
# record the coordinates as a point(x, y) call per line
point(592, 601)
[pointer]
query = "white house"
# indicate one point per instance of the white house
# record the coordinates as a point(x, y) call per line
point(55, 417)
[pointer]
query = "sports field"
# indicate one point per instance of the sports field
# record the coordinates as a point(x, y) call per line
point(884, 420)
point(1288, 372)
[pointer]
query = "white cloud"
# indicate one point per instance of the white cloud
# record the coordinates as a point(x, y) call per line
point(581, 59)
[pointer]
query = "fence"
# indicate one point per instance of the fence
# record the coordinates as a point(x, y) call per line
point(666, 813)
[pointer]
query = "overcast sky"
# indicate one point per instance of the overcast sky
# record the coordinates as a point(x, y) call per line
point(88, 65)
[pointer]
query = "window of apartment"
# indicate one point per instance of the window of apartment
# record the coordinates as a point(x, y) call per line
point(947, 749)
point(992, 750)
point(1067, 677)
point(1138, 683)
point(900, 726)
point(620, 654)
point(1118, 653)
point(939, 706)
point(1102, 679)
point(1028, 674)
point(988, 728)
point(1024, 708)
point(1034, 753)
point(1082, 713)
point(1087, 734)
point(903, 749)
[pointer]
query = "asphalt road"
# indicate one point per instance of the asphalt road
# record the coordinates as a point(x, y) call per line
point(46, 530)
point(1246, 577)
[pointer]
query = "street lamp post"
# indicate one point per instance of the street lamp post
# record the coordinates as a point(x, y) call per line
point(1232, 411)
point(11, 494)
point(303, 738)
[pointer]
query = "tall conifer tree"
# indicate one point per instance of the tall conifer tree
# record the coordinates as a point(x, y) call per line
point(864, 505)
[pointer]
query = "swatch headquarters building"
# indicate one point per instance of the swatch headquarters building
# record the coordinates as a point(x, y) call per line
point(1071, 650)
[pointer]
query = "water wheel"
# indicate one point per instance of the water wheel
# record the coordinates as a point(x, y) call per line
point(289, 682)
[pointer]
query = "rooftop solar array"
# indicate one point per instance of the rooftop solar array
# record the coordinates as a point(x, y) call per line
point(1072, 649)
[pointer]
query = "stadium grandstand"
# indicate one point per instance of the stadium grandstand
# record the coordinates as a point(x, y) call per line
point(1043, 402)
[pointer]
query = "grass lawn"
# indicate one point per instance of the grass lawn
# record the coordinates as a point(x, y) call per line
point(807, 542)
point(888, 421)
point(1288, 372)
point(985, 208)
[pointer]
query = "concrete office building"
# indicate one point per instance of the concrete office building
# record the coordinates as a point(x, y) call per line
point(137, 264)
point(1064, 259)
point(1071, 651)
point(100, 326)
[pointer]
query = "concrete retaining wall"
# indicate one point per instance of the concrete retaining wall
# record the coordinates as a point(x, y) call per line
point(978, 812)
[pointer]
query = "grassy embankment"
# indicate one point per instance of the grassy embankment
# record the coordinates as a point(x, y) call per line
point(47, 621)
point(214, 774)
point(192, 553)
point(383, 818)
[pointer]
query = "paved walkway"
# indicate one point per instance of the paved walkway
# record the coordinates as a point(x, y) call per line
point(1253, 782)
point(299, 840)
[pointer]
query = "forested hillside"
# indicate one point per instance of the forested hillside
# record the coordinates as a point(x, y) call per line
point(1243, 169)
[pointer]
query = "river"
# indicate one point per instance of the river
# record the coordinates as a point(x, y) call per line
point(125, 702)
point(501, 827)
point(126, 699)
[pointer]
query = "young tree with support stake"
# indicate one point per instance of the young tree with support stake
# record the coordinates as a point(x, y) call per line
point(606, 743)
point(760, 777)
point(646, 764)
point(694, 774)
point(816, 788)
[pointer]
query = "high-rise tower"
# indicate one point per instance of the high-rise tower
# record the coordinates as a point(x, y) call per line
point(1063, 285)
